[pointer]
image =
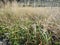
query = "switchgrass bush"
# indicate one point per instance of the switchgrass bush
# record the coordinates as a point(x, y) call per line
point(26, 36)
point(27, 25)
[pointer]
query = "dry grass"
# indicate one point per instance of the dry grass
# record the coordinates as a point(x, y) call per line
point(47, 14)
point(49, 17)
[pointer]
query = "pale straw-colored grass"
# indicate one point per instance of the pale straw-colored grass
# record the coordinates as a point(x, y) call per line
point(49, 17)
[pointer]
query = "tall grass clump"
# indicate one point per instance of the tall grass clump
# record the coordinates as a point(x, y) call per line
point(27, 25)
